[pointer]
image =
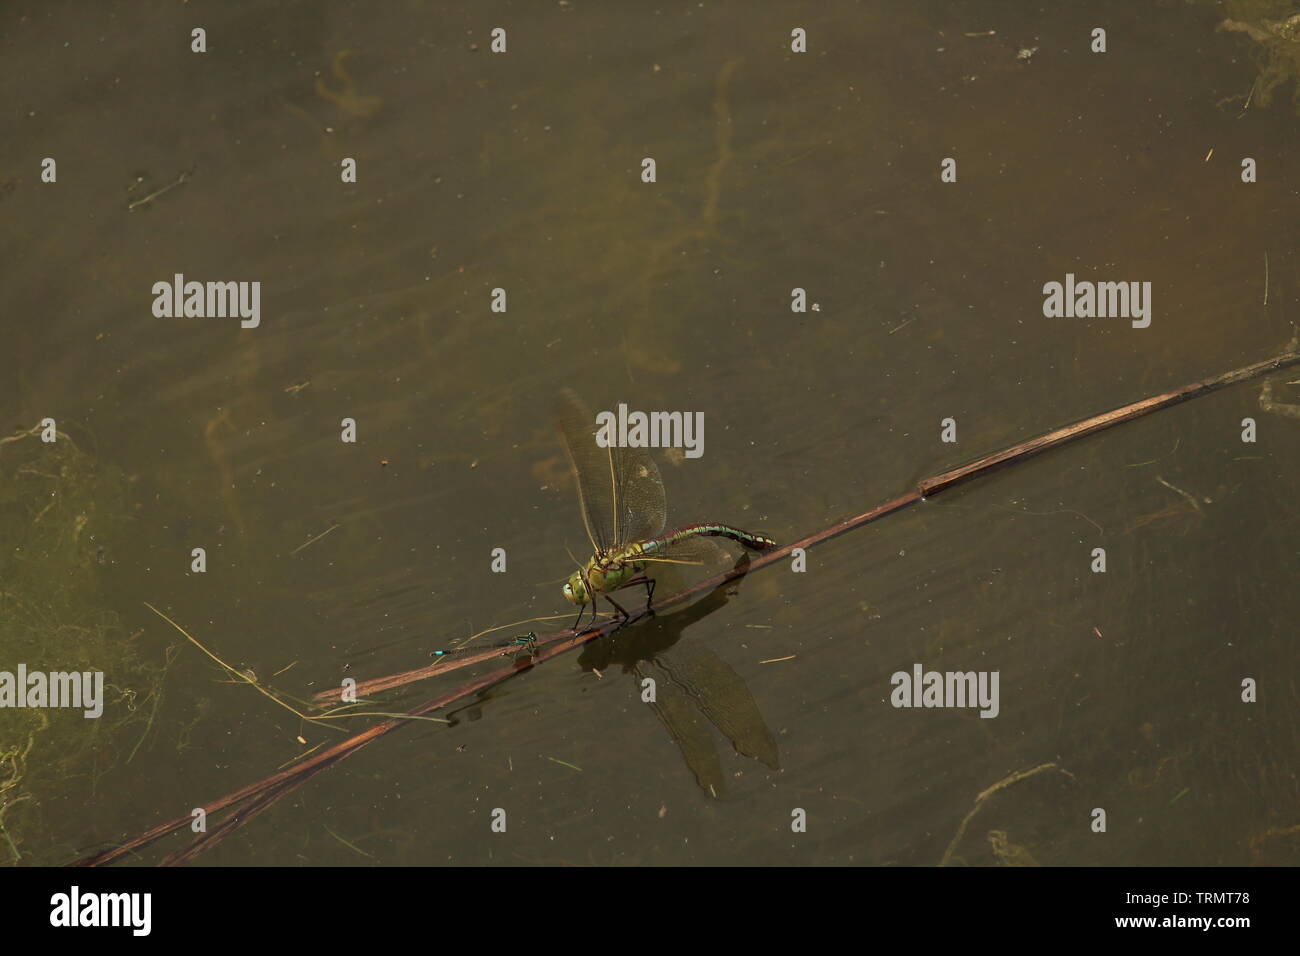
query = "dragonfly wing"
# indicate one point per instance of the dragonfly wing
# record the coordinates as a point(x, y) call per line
point(639, 494)
point(701, 552)
point(592, 470)
point(620, 491)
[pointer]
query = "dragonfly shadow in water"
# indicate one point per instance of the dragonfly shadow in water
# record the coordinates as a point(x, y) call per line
point(694, 687)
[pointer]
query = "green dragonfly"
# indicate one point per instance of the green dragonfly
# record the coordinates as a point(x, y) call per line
point(621, 496)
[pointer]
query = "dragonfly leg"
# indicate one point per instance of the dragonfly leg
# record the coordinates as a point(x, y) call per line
point(649, 584)
point(618, 607)
point(581, 611)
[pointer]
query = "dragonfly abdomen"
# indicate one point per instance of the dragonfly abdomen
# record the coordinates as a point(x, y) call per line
point(754, 542)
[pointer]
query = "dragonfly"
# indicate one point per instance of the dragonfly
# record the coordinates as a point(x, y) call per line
point(621, 497)
point(511, 647)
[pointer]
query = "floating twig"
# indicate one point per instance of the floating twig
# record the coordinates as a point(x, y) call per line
point(1191, 499)
point(314, 540)
point(178, 181)
point(979, 801)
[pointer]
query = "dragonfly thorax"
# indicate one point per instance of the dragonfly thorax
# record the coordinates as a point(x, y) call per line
point(603, 573)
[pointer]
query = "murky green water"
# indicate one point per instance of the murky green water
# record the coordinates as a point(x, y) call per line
point(775, 171)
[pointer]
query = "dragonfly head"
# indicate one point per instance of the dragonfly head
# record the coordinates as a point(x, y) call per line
point(575, 589)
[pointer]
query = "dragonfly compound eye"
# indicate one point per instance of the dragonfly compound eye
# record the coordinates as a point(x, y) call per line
point(575, 591)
